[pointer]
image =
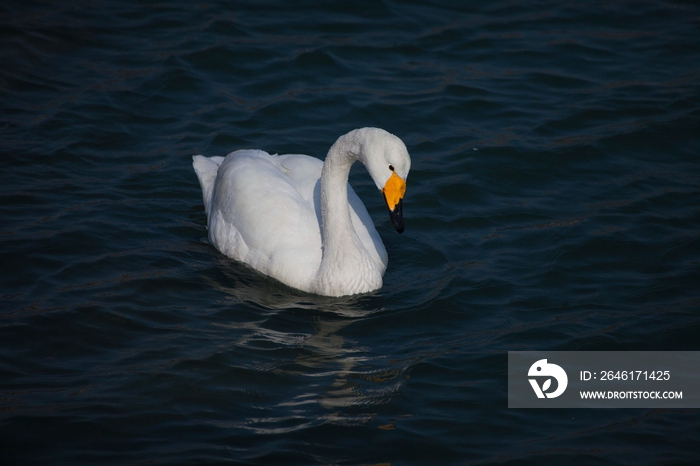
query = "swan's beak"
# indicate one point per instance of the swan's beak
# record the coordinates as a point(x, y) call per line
point(393, 191)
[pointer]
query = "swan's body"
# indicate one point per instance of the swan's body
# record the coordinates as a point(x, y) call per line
point(296, 219)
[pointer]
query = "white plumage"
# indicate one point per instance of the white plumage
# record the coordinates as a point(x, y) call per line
point(296, 219)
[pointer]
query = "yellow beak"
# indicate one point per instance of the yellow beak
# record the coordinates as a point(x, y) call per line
point(393, 192)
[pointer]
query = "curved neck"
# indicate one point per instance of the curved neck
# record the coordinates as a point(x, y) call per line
point(337, 227)
point(343, 254)
point(335, 210)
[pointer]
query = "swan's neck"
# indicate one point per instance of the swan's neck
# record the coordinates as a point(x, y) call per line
point(346, 266)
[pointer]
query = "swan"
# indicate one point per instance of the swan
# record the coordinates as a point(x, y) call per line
point(296, 219)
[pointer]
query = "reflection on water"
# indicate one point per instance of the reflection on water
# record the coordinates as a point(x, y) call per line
point(352, 383)
point(327, 369)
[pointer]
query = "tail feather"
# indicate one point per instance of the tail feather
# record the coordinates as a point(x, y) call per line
point(206, 169)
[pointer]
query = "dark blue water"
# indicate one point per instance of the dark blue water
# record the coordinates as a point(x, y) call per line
point(553, 204)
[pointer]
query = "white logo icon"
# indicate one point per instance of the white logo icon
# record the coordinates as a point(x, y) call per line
point(541, 369)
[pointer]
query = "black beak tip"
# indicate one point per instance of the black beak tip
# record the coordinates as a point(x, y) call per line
point(396, 216)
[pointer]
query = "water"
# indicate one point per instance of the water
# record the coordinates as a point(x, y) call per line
point(553, 204)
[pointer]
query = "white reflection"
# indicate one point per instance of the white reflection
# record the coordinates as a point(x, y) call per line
point(327, 369)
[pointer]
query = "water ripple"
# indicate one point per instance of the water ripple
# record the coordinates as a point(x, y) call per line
point(552, 204)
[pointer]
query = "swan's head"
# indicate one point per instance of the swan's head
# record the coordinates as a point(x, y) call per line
point(388, 163)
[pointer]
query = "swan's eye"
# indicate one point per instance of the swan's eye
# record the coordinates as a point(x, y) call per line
point(391, 167)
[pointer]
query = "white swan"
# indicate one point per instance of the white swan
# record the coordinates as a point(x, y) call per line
point(296, 219)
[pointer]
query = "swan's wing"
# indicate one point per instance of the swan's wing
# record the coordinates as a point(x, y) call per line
point(305, 173)
point(258, 215)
